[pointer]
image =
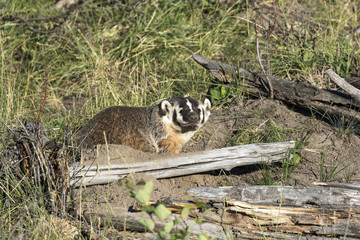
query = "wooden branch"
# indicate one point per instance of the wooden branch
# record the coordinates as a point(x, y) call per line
point(298, 94)
point(270, 209)
point(341, 82)
point(224, 158)
point(121, 219)
point(355, 185)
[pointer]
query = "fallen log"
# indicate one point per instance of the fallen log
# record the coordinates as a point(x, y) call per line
point(254, 212)
point(297, 94)
point(224, 158)
point(308, 211)
point(121, 219)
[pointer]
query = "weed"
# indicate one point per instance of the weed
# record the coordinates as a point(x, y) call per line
point(348, 173)
point(329, 171)
point(173, 229)
point(274, 174)
point(267, 131)
point(344, 126)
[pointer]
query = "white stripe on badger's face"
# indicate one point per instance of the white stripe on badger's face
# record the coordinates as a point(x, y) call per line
point(168, 109)
point(189, 104)
point(206, 106)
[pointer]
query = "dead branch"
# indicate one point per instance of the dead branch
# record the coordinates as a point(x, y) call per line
point(341, 82)
point(267, 84)
point(224, 158)
point(355, 186)
point(38, 161)
point(297, 94)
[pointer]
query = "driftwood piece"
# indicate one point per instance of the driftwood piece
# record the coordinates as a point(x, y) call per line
point(121, 219)
point(355, 185)
point(298, 94)
point(315, 211)
point(224, 158)
point(341, 82)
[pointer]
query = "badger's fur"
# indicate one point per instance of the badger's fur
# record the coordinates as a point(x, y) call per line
point(165, 127)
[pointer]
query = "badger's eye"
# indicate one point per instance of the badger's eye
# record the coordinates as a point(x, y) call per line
point(181, 111)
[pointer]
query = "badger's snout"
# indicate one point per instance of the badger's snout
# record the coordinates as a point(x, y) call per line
point(192, 118)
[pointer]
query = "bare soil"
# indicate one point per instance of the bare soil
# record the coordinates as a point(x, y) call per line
point(332, 154)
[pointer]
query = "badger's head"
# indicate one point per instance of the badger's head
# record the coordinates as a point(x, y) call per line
point(184, 114)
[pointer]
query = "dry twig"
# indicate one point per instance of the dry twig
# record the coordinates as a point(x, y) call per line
point(341, 82)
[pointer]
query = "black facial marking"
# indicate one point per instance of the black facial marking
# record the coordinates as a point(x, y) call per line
point(203, 114)
point(189, 128)
point(175, 121)
point(162, 112)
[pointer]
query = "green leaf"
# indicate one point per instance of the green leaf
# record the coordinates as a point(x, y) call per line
point(148, 223)
point(129, 186)
point(141, 183)
point(162, 212)
point(198, 220)
point(200, 204)
point(185, 211)
point(148, 186)
point(143, 195)
point(161, 235)
point(177, 220)
point(147, 208)
point(223, 91)
point(215, 93)
point(202, 236)
point(295, 159)
point(169, 226)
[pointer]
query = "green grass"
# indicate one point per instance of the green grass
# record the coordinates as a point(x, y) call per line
point(135, 53)
point(138, 54)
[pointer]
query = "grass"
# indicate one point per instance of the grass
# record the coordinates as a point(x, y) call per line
point(137, 54)
point(62, 71)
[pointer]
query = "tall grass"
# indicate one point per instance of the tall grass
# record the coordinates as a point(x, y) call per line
point(136, 53)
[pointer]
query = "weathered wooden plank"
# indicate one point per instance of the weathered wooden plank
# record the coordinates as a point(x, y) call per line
point(308, 197)
point(224, 158)
point(325, 212)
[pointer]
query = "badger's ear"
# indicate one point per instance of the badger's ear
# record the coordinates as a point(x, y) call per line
point(207, 103)
point(165, 108)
